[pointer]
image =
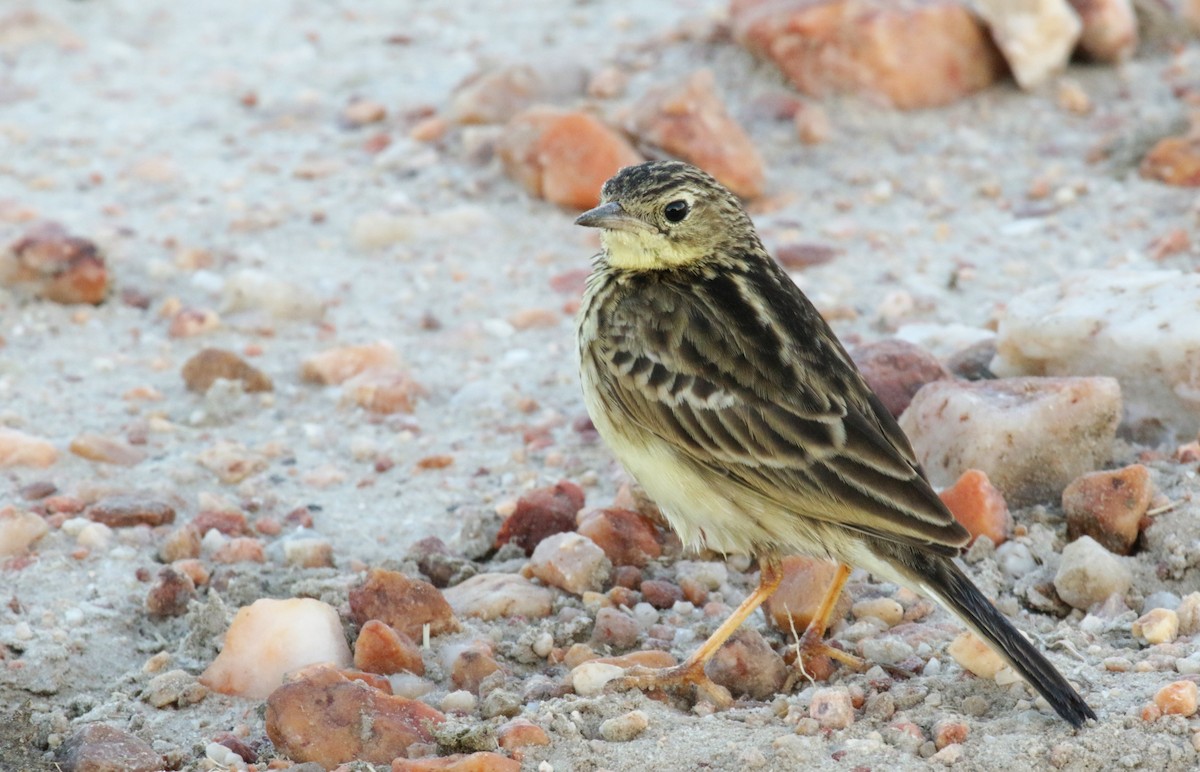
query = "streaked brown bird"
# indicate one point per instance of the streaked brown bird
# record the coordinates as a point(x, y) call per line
point(722, 390)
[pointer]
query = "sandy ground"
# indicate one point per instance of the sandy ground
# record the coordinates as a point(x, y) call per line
point(139, 136)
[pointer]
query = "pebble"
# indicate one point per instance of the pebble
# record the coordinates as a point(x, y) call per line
point(590, 678)
point(660, 593)
point(131, 510)
point(615, 628)
point(174, 687)
point(1156, 626)
point(563, 156)
point(58, 266)
point(1177, 699)
point(405, 604)
point(570, 562)
point(956, 58)
point(104, 748)
point(19, 530)
point(1110, 29)
point(230, 522)
point(17, 448)
point(480, 761)
point(459, 701)
point(627, 537)
point(1173, 161)
point(886, 650)
point(1109, 506)
point(500, 703)
point(385, 391)
point(253, 290)
point(979, 506)
point(472, 665)
point(521, 733)
point(190, 322)
point(360, 112)
point(1031, 436)
point(688, 120)
point(832, 708)
point(308, 552)
point(1036, 37)
point(623, 728)
point(496, 94)
point(170, 595)
point(338, 365)
point(896, 370)
point(747, 666)
point(231, 462)
point(206, 366)
point(381, 649)
point(106, 450)
point(1097, 322)
point(1088, 574)
point(1015, 559)
point(94, 536)
point(271, 637)
point(949, 732)
point(812, 124)
point(805, 582)
point(492, 596)
point(971, 653)
point(240, 549)
point(540, 513)
point(709, 574)
point(323, 716)
point(1189, 614)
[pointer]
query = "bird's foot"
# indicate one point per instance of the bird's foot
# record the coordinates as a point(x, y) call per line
point(689, 674)
point(814, 659)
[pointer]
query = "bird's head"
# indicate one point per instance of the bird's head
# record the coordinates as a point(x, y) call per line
point(666, 214)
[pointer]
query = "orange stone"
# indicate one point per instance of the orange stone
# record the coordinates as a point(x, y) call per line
point(1174, 160)
point(627, 538)
point(563, 157)
point(688, 120)
point(337, 365)
point(384, 391)
point(404, 604)
point(805, 582)
point(1109, 506)
point(979, 506)
point(380, 649)
point(540, 513)
point(483, 761)
point(521, 733)
point(906, 53)
point(1178, 698)
point(325, 717)
point(471, 666)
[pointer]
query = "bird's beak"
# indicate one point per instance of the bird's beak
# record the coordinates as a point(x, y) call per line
point(610, 216)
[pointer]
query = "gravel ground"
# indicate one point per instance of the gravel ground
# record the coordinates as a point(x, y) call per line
point(162, 129)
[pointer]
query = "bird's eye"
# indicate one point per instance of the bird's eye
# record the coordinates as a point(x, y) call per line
point(676, 210)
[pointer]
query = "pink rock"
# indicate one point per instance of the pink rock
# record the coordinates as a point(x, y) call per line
point(269, 638)
point(495, 95)
point(337, 365)
point(979, 506)
point(19, 530)
point(1110, 29)
point(1109, 506)
point(688, 120)
point(106, 450)
point(896, 370)
point(627, 538)
point(380, 649)
point(170, 595)
point(240, 549)
point(491, 596)
point(1035, 36)
point(563, 157)
point(540, 513)
point(60, 267)
point(832, 708)
point(325, 717)
point(402, 603)
point(128, 511)
point(20, 449)
point(104, 748)
point(747, 666)
point(480, 761)
point(570, 562)
point(385, 391)
point(615, 628)
point(909, 54)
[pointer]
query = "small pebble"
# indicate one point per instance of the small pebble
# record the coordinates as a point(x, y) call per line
point(460, 701)
point(590, 678)
point(970, 652)
point(1178, 698)
point(625, 727)
point(832, 708)
point(885, 609)
point(1089, 573)
point(1158, 625)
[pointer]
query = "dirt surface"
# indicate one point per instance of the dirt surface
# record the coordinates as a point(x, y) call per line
point(155, 128)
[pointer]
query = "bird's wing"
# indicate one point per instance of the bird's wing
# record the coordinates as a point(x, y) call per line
point(762, 393)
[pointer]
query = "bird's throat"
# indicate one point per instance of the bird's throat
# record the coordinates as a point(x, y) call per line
point(643, 250)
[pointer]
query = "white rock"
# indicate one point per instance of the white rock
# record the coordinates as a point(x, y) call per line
point(489, 596)
point(1036, 37)
point(590, 678)
point(1159, 625)
point(570, 561)
point(18, 530)
point(885, 650)
point(1089, 573)
point(1032, 436)
point(1015, 559)
point(94, 536)
point(832, 708)
point(260, 291)
point(460, 701)
point(269, 638)
point(1136, 326)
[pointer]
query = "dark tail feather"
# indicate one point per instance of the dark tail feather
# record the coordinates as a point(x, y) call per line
point(940, 576)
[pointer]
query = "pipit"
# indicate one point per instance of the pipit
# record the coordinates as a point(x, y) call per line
point(721, 389)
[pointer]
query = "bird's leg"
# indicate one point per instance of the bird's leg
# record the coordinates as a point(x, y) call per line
point(812, 643)
point(691, 672)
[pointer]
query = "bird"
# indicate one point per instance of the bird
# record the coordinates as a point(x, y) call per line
point(721, 389)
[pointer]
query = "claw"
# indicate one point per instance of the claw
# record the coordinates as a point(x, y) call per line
point(689, 674)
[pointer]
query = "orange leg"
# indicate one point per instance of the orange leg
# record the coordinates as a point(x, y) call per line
point(691, 672)
point(811, 643)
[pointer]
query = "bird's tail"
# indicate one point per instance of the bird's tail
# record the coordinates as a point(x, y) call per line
point(940, 577)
